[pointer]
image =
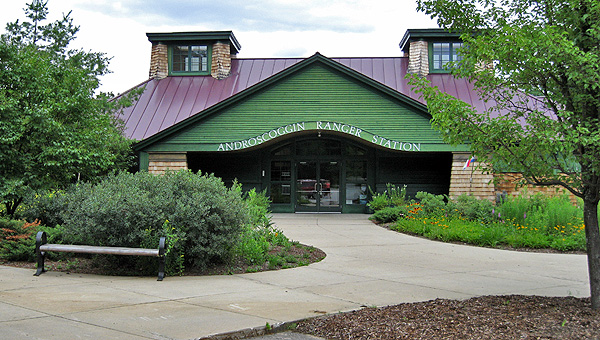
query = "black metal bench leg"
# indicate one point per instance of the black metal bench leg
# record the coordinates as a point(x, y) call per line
point(40, 239)
point(161, 258)
point(161, 268)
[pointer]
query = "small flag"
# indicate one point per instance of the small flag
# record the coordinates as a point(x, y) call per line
point(469, 162)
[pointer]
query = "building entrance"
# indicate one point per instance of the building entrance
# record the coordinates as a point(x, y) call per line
point(324, 174)
point(318, 186)
point(327, 173)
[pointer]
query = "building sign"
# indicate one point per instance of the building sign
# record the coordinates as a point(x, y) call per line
point(319, 126)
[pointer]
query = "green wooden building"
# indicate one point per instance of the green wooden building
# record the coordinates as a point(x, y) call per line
point(317, 133)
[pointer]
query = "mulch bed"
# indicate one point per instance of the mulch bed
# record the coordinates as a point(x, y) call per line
point(487, 317)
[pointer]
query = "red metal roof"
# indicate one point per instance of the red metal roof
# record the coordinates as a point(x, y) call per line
point(168, 101)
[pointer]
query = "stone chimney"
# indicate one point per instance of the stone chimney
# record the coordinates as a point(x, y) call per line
point(159, 63)
point(221, 60)
point(418, 58)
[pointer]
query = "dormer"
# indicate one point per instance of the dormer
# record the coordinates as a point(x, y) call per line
point(430, 50)
point(192, 54)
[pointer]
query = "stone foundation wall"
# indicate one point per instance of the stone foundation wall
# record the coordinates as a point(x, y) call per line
point(158, 163)
point(506, 186)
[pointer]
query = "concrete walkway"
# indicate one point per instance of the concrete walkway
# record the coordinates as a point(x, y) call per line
point(365, 266)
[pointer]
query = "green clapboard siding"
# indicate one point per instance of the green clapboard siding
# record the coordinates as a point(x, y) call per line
point(314, 94)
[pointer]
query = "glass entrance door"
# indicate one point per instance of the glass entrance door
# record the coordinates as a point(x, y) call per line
point(318, 186)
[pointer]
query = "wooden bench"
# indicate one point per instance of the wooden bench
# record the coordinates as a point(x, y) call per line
point(41, 247)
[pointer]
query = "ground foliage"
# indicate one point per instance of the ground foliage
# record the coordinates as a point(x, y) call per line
point(534, 221)
point(54, 127)
point(487, 317)
point(209, 228)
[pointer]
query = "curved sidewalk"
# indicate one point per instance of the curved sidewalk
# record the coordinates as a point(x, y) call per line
point(365, 266)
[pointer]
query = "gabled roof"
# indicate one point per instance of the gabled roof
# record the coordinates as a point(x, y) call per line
point(166, 105)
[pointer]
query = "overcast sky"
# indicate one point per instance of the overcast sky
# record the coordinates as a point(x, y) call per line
point(264, 28)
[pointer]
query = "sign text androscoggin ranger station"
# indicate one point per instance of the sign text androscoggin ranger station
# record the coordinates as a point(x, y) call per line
point(315, 132)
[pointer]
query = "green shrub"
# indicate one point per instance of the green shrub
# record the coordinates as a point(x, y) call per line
point(379, 201)
point(129, 209)
point(389, 214)
point(258, 208)
point(46, 207)
point(256, 242)
point(432, 205)
point(253, 245)
point(397, 194)
point(392, 196)
point(17, 239)
point(472, 208)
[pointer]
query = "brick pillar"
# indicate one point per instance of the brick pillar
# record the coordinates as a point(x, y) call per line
point(158, 163)
point(471, 181)
point(159, 63)
point(418, 58)
point(220, 67)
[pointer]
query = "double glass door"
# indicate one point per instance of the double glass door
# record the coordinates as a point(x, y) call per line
point(318, 186)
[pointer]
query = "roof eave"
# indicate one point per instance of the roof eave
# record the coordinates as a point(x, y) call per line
point(426, 34)
point(196, 36)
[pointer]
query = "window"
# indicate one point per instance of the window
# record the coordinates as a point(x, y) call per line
point(281, 175)
point(191, 59)
point(442, 53)
point(356, 182)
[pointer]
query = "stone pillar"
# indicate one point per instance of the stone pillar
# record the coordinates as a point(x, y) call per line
point(159, 162)
point(221, 60)
point(471, 181)
point(418, 58)
point(159, 61)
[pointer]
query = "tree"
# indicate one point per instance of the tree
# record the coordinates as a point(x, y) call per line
point(54, 129)
point(538, 65)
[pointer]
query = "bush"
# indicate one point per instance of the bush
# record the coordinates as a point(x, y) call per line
point(473, 208)
point(393, 196)
point(431, 204)
point(46, 207)
point(379, 201)
point(258, 208)
point(17, 239)
point(389, 214)
point(131, 210)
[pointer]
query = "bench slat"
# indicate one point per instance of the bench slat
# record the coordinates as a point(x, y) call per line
point(68, 248)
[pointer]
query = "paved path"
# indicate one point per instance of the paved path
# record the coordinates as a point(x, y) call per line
point(365, 266)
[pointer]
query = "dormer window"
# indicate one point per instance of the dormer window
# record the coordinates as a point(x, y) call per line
point(189, 59)
point(430, 50)
point(442, 53)
point(192, 54)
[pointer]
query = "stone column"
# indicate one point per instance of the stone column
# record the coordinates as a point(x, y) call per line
point(471, 181)
point(159, 162)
